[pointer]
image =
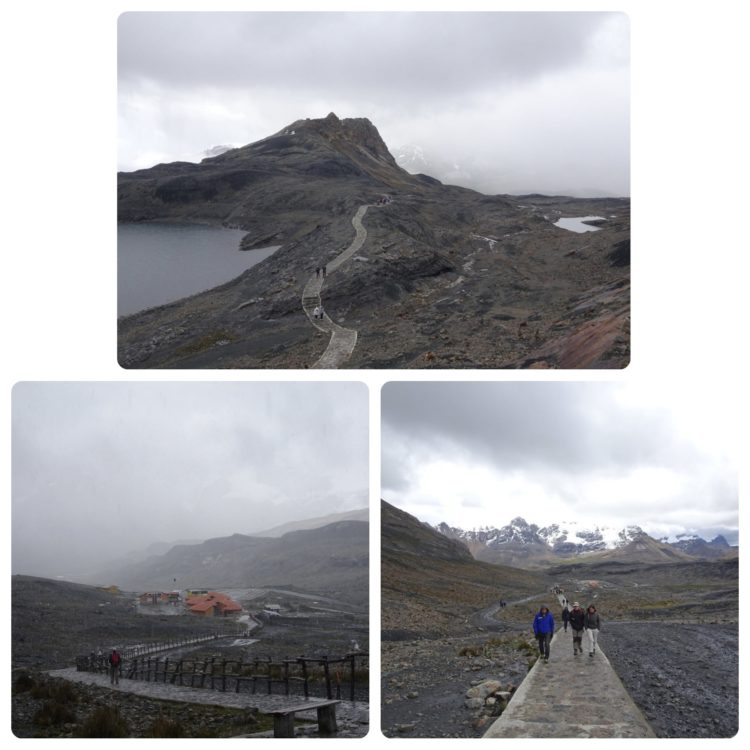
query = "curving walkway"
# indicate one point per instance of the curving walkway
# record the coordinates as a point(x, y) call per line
point(343, 340)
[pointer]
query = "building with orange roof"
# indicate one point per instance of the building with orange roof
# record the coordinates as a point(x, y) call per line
point(213, 603)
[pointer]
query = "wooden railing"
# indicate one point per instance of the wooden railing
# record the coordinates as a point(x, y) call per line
point(345, 677)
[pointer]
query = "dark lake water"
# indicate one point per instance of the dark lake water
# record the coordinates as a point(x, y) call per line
point(159, 263)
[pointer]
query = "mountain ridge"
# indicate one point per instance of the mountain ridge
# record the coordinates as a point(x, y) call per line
point(521, 543)
point(437, 260)
point(332, 559)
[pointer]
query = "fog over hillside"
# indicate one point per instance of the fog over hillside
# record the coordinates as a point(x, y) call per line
point(103, 470)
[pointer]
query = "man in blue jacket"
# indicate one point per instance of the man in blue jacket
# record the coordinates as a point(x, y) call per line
point(544, 628)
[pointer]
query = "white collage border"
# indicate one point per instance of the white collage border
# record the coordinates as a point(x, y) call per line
point(689, 172)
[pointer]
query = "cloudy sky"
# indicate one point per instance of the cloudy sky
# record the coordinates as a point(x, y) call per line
point(100, 469)
point(538, 100)
point(607, 454)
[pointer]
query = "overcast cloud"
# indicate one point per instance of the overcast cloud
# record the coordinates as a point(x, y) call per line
point(101, 469)
point(476, 454)
point(539, 99)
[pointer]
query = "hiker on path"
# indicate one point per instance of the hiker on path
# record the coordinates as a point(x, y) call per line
point(575, 619)
point(591, 623)
point(565, 617)
point(317, 272)
point(114, 667)
point(316, 312)
point(324, 271)
point(544, 628)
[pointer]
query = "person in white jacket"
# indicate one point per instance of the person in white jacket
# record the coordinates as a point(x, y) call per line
point(591, 626)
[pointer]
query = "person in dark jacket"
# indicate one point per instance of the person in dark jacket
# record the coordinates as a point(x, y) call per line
point(575, 619)
point(565, 617)
point(591, 624)
point(544, 629)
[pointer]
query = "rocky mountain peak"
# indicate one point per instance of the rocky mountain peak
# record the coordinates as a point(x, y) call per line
point(632, 534)
point(352, 132)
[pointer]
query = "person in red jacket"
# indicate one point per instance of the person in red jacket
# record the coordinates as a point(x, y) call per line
point(114, 667)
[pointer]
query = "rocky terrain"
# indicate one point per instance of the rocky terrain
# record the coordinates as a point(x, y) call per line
point(431, 585)
point(684, 677)
point(669, 628)
point(53, 622)
point(43, 706)
point(447, 278)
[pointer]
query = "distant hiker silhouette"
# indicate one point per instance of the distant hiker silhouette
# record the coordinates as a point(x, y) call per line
point(324, 271)
point(317, 272)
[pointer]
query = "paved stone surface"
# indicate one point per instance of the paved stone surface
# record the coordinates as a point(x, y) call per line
point(352, 718)
point(343, 340)
point(571, 696)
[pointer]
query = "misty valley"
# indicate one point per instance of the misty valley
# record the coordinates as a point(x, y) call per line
point(254, 624)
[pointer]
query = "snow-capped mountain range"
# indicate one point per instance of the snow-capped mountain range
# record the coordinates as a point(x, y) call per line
point(519, 540)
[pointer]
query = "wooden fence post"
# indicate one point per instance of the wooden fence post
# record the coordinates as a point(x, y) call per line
point(327, 673)
point(304, 677)
point(239, 676)
point(203, 672)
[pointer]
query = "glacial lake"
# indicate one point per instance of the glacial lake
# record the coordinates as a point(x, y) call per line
point(160, 263)
point(575, 223)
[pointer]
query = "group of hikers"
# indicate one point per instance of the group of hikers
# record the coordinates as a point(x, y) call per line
point(580, 622)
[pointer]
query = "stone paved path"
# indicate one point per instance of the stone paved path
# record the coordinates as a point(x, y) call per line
point(571, 696)
point(343, 340)
point(348, 714)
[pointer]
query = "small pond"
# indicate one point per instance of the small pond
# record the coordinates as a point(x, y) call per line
point(575, 223)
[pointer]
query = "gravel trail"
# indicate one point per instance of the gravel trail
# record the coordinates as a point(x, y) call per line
point(684, 677)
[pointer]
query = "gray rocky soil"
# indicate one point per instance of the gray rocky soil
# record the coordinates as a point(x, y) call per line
point(425, 682)
point(53, 622)
point(684, 677)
